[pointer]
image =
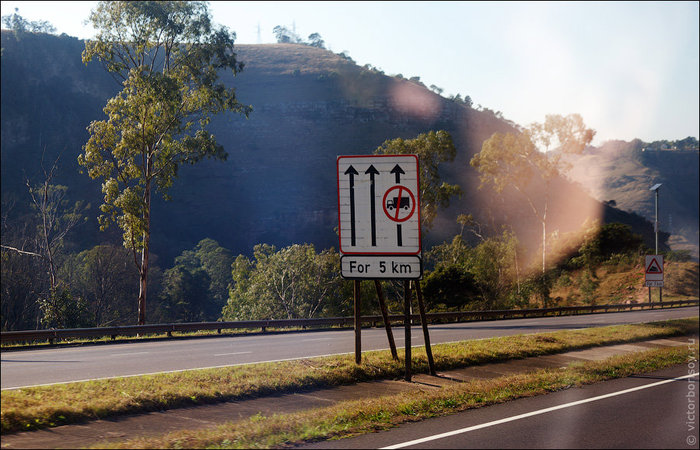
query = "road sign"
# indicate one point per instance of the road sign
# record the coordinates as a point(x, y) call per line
point(379, 215)
point(378, 267)
point(654, 271)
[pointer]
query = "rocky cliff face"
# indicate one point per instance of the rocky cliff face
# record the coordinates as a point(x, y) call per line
point(278, 184)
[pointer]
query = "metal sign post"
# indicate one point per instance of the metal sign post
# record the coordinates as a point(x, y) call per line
point(379, 232)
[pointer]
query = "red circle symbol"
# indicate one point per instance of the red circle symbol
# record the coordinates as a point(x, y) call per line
point(398, 203)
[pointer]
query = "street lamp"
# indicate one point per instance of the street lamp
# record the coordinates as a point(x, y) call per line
point(655, 188)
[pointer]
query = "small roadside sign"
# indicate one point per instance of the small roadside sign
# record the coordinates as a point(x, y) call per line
point(379, 216)
point(654, 271)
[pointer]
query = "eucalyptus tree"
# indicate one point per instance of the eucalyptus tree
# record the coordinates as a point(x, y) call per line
point(167, 57)
point(432, 148)
point(521, 160)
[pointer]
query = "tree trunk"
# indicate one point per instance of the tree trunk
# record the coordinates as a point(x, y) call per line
point(545, 293)
point(143, 272)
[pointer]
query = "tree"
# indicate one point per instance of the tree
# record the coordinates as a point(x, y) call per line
point(185, 295)
point(54, 217)
point(522, 160)
point(608, 240)
point(294, 282)
point(438, 90)
point(286, 36)
point(168, 56)
point(216, 262)
point(432, 148)
point(104, 277)
point(19, 24)
point(315, 40)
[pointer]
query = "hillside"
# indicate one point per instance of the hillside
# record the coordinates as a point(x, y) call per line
point(278, 184)
point(623, 172)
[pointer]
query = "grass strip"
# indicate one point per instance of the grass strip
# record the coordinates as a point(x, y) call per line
point(47, 406)
point(351, 418)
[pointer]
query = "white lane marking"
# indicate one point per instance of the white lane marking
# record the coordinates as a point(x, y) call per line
point(130, 354)
point(234, 353)
point(533, 413)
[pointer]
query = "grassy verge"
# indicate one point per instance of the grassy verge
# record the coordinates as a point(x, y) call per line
point(31, 408)
point(351, 418)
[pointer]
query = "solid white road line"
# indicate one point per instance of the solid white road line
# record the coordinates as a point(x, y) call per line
point(234, 353)
point(129, 354)
point(533, 413)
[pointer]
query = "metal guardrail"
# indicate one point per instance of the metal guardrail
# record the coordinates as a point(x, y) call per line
point(169, 328)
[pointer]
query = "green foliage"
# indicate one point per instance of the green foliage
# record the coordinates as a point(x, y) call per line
point(432, 149)
point(481, 277)
point(493, 264)
point(677, 255)
point(185, 296)
point(19, 24)
point(294, 282)
point(588, 286)
point(62, 310)
point(22, 279)
point(522, 161)
point(315, 40)
point(196, 288)
point(688, 144)
point(286, 36)
point(106, 277)
point(448, 288)
point(168, 56)
point(608, 240)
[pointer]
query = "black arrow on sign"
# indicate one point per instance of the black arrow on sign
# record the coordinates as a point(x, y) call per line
point(398, 171)
point(352, 172)
point(372, 172)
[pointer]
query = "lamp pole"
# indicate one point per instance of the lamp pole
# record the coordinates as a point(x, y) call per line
point(655, 188)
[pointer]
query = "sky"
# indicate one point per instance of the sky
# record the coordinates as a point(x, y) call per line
point(630, 69)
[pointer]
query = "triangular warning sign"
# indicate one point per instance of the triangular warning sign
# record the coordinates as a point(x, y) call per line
point(654, 267)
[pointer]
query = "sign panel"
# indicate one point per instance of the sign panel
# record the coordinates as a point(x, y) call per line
point(379, 214)
point(654, 271)
point(375, 267)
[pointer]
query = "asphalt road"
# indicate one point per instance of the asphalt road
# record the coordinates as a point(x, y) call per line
point(634, 412)
point(60, 365)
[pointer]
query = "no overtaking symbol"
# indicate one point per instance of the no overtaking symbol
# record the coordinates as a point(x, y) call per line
point(399, 203)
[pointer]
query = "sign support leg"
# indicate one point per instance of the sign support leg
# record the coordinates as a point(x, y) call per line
point(385, 316)
point(407, 327)
point(358, 323)
point(424, 323)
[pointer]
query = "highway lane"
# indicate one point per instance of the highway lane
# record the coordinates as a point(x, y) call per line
point(58, 365)
point(654, 410)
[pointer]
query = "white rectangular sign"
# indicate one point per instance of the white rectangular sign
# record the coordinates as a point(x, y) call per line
point(378, 205)
point(654, 268)
point(375, 267)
